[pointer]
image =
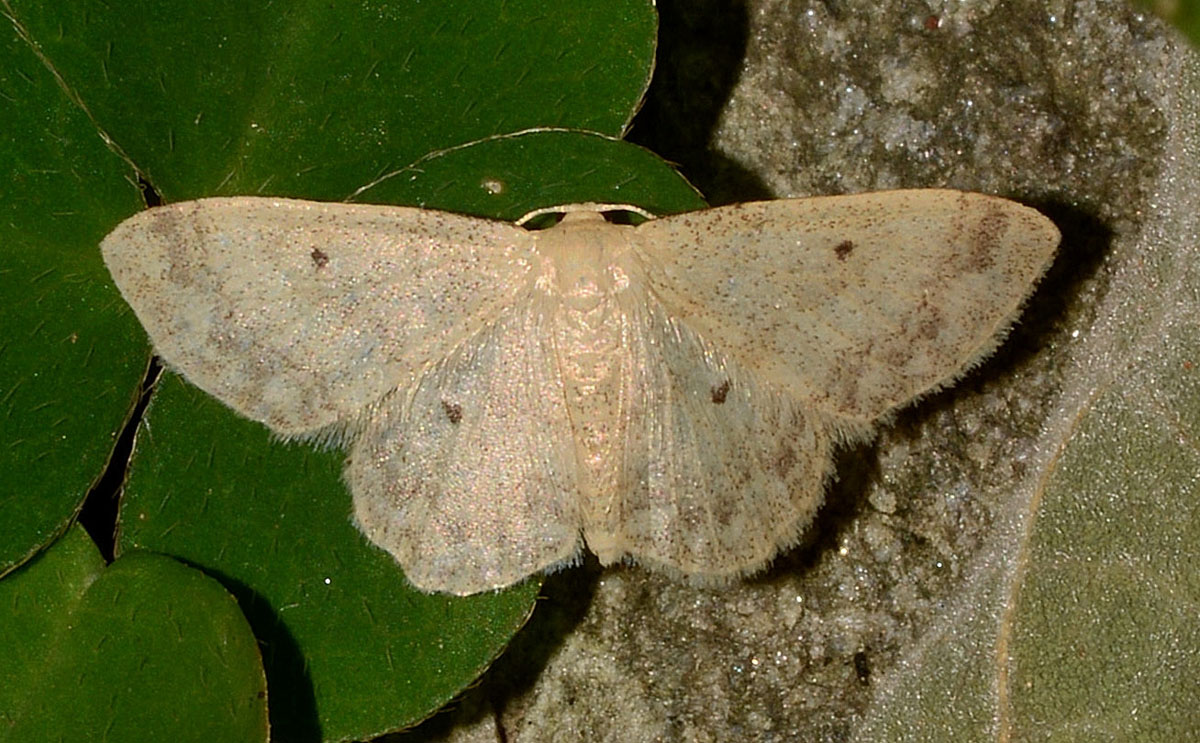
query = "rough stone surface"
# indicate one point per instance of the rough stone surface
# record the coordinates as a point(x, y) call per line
point(1060, 105)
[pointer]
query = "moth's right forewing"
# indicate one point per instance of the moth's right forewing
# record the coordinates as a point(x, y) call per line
point(855, 304)
point(301, 314)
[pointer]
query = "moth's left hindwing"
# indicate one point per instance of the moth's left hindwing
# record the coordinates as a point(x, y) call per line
point(471, 483)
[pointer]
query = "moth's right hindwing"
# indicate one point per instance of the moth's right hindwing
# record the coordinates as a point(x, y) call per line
point(717, 472)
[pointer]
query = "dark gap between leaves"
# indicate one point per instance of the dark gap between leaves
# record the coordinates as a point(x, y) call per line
point(99, 513)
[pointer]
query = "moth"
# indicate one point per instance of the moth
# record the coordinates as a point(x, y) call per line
point(668, 393)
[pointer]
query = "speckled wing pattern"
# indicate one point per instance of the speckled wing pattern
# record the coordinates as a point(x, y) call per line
point(470, 481)
point(301, 314)
point(716, 472)
point(854, 305)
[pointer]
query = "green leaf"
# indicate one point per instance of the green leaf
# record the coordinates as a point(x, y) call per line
point(286, 98)
point(320, 102)
point(509, 176)
point(1083, 626)
point(1182, 14)
point(1080, 622)
point(146, 649)
point(1105, 629)
point(351, 647)
point(313, 99)
point(64, 389)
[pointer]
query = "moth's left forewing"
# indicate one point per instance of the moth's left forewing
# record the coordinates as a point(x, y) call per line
point(855, 304)
point(300, 314)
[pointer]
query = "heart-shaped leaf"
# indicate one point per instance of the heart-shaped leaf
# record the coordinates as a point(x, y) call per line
point(146, 649)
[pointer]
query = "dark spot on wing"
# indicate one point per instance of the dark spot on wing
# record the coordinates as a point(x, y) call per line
point(166, 224)
point(843, 250)
point(930, 326)
point(720, 392)
point(984, 238)
point(785, 460)
point(453, 412)
point(181, 240)
point(319, 258)
point(929, 321)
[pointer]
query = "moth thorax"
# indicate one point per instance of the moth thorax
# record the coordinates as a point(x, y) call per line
point(581, 263)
